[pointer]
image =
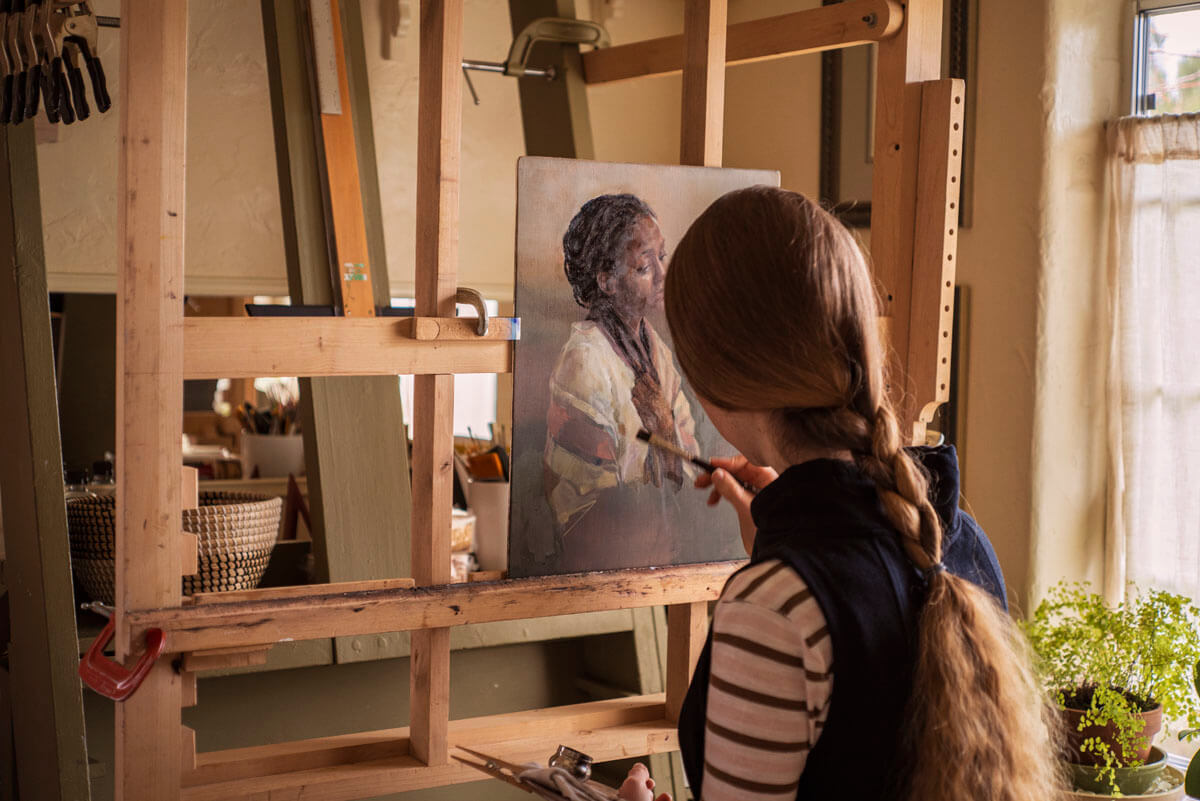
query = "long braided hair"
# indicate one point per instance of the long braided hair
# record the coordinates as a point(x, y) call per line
point(771, 307)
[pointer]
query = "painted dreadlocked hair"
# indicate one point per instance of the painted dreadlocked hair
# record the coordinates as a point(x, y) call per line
point(771, 307)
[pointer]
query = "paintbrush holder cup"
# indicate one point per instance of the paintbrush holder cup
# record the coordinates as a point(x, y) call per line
point(489, 502)
point(272, 455)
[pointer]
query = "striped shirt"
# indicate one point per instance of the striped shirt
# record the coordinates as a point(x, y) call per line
point(768, 695)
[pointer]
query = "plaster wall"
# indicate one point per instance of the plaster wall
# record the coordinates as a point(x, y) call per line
point(1086, 64)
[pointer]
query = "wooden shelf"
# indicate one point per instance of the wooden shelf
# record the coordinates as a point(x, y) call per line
point(369, 764)
point(330, 612)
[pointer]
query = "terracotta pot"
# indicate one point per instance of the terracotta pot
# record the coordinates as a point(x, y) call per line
point(1107, 734)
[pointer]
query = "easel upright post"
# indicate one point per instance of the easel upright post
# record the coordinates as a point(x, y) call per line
point(701, 139)
point(150, 377)
point(439, 147)
point(912, 56)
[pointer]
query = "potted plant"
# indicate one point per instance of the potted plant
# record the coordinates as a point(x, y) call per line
point(1117, 673)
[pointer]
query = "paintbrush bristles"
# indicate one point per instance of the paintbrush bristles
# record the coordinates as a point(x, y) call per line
point(659, 442)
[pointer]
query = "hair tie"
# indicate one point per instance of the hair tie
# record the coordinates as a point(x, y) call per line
point(937, 567)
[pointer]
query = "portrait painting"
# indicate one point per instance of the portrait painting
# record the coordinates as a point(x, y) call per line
point(595, 367)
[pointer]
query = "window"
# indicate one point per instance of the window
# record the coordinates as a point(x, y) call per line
point(1166, 75)
point(475, 394)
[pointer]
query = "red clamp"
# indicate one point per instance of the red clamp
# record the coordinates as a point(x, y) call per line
point(113, 680)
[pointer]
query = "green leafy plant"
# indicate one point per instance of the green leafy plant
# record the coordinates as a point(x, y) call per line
point(1112, 662)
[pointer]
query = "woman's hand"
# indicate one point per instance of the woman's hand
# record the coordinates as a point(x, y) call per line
point(724, 483)
point(638, 786)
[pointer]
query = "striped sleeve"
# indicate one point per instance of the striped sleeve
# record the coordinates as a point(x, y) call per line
point(768, 695)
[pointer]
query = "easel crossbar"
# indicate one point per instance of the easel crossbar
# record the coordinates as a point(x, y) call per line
point(232, 347)
point(847, 24)
point(369, 764)
point(250, 623)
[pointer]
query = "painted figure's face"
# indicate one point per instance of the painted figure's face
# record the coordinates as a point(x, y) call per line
point(636, 282)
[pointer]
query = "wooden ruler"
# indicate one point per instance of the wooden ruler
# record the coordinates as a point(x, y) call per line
point(341, 161)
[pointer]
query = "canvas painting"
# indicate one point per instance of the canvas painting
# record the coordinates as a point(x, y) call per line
point(595, 366)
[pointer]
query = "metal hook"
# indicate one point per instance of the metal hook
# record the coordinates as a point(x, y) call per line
point(470, 85)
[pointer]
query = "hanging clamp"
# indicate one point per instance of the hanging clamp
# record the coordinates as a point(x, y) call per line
point(114, 680)
point(543, 29)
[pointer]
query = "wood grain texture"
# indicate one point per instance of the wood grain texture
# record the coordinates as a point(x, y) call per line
point(150, 224)
point(703, 106)
point(301, 591)
point(439, 149)
point(846, 24)
point(247, 623)
point(906, 60)
point(47, 711)
point(935, 249)
point(376, 763)
point(461, 329)
point(222, 658)
point(328, 346)
point(687, 629)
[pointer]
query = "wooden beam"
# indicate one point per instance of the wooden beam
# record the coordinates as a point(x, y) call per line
point(379, 763)
point(47, 709)
point(309, 591)
point(345, 195)
point(687, 629)
point(846, 24)
point(905, 61)
point(935, 250)
point(703, 107)
point(150, 212)
point(439, 148)
point(232, 347)
point(247, 623)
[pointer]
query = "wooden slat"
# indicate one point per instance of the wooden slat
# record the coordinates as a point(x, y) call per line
point(687, 628)
point(439, 147)
point(905, 61)
point(930, 345)
point(220, 625)
point(216, 347)
point(223, 658)
point(703, 107)
point(47, 709)
point(301, 591)
point(345, 196)
point(151, 158)
point(843, 25)
point(453, 329)
point(376, 763)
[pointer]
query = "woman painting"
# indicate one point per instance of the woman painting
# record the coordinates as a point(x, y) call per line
point(865, 652)
point(614, 376)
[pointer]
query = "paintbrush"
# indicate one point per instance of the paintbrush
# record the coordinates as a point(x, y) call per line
point(658, 442)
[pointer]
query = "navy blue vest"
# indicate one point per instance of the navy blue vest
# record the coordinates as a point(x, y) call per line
point(824, 519)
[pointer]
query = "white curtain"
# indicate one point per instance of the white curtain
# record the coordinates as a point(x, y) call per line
point(1153, 255)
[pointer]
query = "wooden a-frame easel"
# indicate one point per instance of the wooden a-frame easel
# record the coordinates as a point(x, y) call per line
point(918, 142)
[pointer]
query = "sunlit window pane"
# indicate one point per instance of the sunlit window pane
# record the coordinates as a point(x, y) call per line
point(1172, 62)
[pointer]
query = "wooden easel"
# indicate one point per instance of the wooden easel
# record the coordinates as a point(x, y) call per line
point(916, 166)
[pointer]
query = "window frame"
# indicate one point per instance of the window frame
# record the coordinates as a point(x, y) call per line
point(1143, 10)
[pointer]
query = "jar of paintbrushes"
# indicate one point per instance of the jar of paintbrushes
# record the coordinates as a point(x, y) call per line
point(271, 444)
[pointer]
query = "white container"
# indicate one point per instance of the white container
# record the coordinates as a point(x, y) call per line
point(489, 502)
point(273, 455)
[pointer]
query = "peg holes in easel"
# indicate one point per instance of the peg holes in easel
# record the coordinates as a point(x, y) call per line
point(889, 298)
point(953, 179)
point(951, 232)
point(955, 152)
point(952, 205)
point(896, 147)
point(949, 257)
point(946, 309)
point(943, 360)
point(945, 335)
point(958, 100)
point(947, 284)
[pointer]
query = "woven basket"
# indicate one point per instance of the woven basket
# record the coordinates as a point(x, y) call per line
point(236, 532)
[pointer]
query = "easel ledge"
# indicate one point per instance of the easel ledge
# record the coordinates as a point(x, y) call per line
point(372, 607)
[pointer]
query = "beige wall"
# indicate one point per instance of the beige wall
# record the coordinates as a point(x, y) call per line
point(234, 237)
